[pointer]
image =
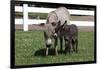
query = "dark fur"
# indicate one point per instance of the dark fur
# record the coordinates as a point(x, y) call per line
point(71, 37)
point(60, 34)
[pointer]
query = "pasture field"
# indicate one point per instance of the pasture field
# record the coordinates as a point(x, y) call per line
point(30, 49)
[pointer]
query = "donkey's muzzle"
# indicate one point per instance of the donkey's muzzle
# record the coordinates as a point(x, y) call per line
point(48, 41)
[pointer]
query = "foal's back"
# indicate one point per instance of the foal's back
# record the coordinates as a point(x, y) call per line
point(70, 30)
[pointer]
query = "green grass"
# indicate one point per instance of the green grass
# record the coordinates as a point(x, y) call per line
point(29, 49)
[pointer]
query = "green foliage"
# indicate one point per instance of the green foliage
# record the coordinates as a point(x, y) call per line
point(30, 48)
point(32, 15)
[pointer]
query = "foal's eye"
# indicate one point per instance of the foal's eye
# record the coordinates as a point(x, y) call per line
point(53, 24)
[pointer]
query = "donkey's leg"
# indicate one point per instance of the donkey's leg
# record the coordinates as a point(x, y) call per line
point(61, 44)
point(73, 45)
point(46, 51)
point(56, 50)
point(69, 46)
point(66, 46)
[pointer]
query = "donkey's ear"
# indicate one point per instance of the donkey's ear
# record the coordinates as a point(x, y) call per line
point(65, 22)
point(64, 25)
point(47, 21)
point(59, 22)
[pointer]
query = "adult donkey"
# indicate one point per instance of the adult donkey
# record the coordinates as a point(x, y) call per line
point(60, 14)
point(49, 37)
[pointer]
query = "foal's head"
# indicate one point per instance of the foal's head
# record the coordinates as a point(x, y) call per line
point(59, 30)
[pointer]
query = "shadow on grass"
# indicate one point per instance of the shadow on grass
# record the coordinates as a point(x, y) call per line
point(42, 52)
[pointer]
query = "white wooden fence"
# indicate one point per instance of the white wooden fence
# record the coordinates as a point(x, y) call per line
point(25, 21)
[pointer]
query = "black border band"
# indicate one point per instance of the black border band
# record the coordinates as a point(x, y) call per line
point(12, 32)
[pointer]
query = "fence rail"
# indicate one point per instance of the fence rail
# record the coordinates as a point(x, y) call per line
point(35, 21)
point(47, 10)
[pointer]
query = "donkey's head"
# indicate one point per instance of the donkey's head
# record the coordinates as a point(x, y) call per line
point(59, 28)
point(49, 34)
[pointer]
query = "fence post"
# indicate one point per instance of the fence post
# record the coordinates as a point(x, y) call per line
point(25, 17)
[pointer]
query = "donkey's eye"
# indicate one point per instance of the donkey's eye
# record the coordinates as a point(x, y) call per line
point(53, 24)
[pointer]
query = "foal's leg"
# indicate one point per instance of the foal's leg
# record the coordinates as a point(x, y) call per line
point(73, 45)
point(56, 50)
point(61, 44)
point(66, 46)
point(69, 46)
point(76, 45)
